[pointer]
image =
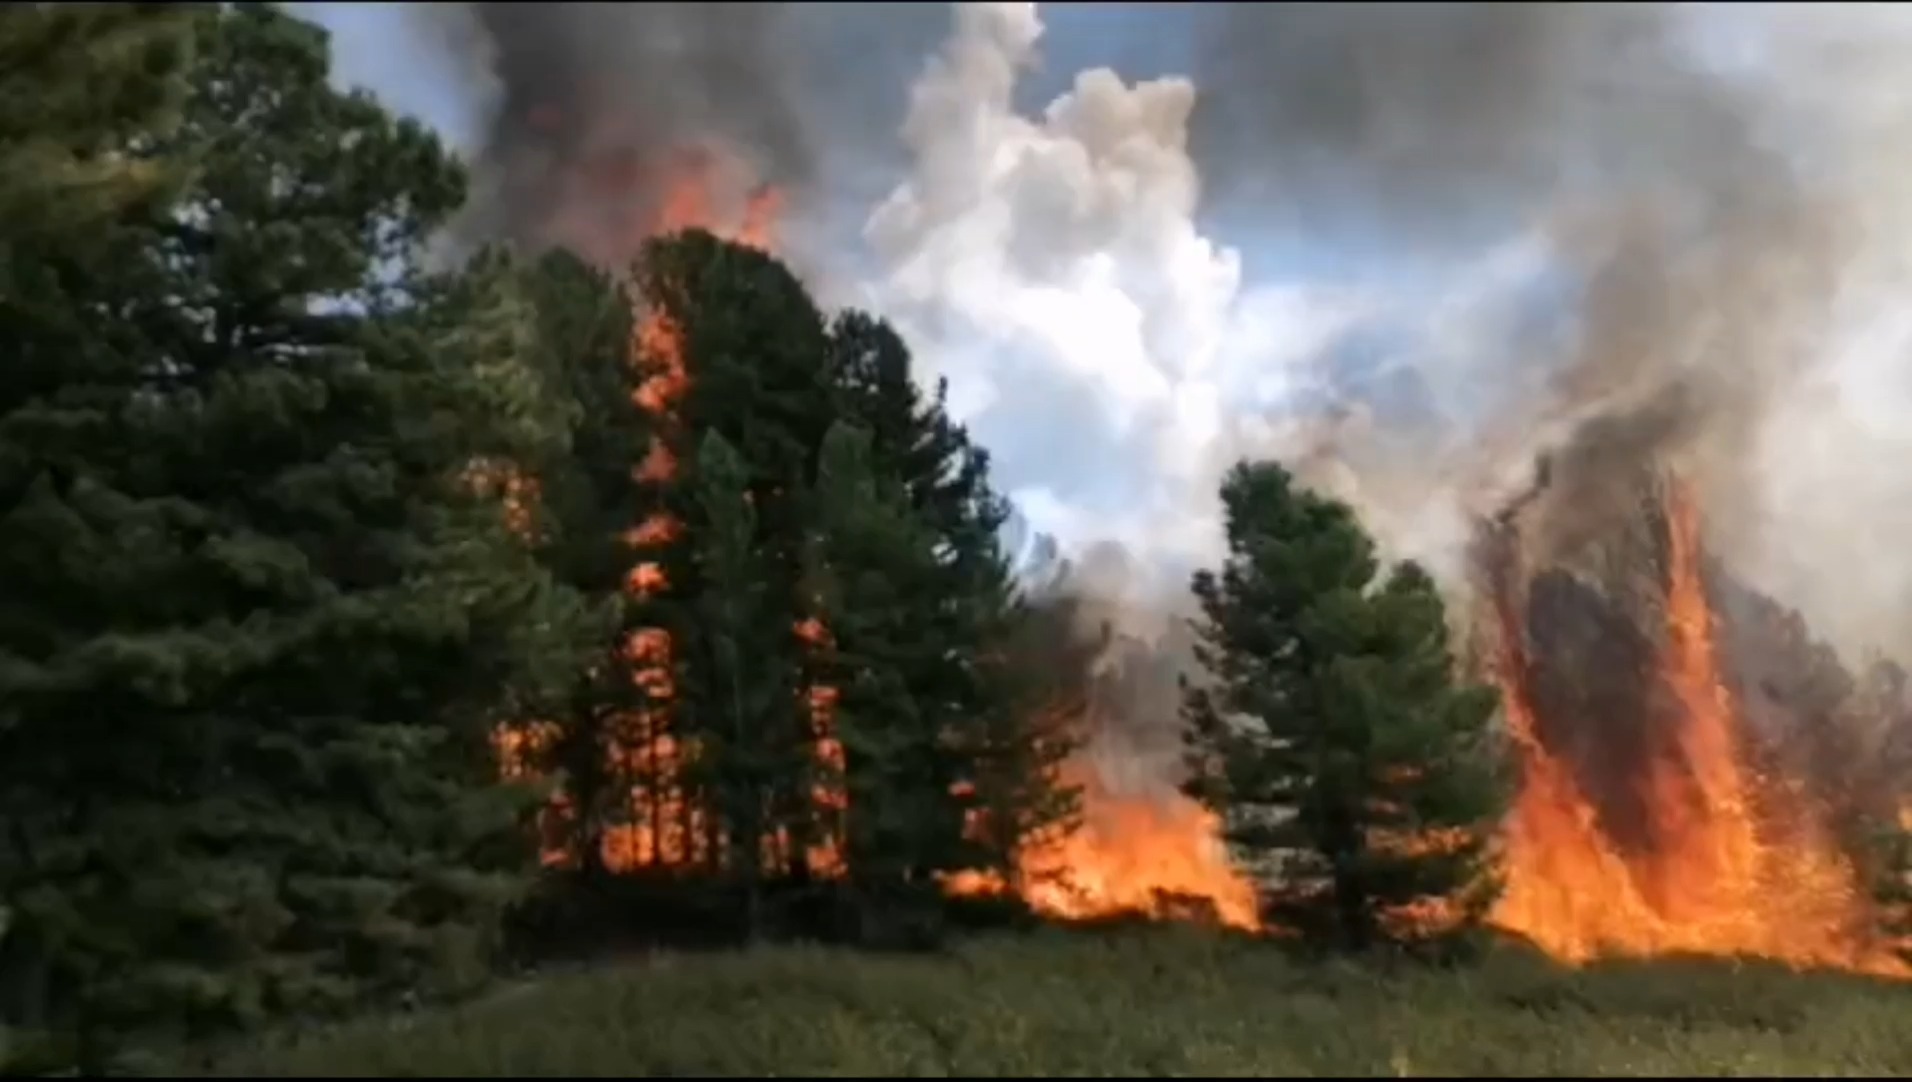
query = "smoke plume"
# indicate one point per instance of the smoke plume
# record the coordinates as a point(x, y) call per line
point(1406, 247)
point(1707, 189)
point(1052, 268)
point(584, 115)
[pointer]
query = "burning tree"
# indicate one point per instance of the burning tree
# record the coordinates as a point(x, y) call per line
point(999, 726)
point(1334, 733)
point(730, 345)
point(581, 327)
point(811, 681)
point(874, 568)
point(1682, 759)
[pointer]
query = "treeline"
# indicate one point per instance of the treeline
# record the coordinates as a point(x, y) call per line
point(351, 601)
point(255, 629)
point(812, 677)
point(331, 574)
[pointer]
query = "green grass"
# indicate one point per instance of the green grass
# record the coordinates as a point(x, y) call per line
point(1150, 1002)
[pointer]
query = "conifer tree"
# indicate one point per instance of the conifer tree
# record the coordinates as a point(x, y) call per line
point(749, 348)
point(1006, 725)
point(1021, 795)
point(1888, 862)
point(80, 86)
point(1331, 732)
point(736, 625)
point(875, 569)
point(258, 628)
point(581, 341)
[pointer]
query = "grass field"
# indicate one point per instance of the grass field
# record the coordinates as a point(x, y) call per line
point(1142, 1002)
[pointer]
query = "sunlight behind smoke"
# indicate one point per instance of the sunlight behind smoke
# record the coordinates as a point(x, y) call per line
point(1059, 257)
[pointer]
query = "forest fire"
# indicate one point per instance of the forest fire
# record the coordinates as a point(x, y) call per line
point(1732, 865)
point(665, 825)
point(1131, 855)
point(1158, 855)
point(662, 827)
point(1726, 862)
point(1155, 855)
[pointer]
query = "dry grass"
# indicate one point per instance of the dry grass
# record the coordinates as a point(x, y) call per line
point(1173, 1002)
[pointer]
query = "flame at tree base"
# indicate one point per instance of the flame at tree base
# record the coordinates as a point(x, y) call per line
point(1734, 870)
point(1738, 868)
point(1156, 856)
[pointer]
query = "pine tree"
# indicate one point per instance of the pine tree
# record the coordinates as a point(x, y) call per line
point(1888, 862)
point(1006, 726)
point(82, 86)
point(79, 86)
point(1332, 733)
point(581, 349)
point(581, 345)
point(263, 627)
point(1024, 801)
point(750, 350)
point(736, 624)
point(874, 566)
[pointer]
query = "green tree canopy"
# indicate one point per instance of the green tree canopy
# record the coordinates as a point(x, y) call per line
point(260, 628)
point(1006, 725)
point(732, 345)
point(1332, 733)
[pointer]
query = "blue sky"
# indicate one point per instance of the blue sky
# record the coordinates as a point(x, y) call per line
point(376, 46)
point(1470, 319)
point(373, 47)
point(1048, 435)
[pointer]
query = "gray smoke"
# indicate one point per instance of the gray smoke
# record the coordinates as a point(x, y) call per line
point(588, 112)
point(1543, 215)
point(1425, 120)
point(1438, 127)
point(1704, 216)
point(596, 102)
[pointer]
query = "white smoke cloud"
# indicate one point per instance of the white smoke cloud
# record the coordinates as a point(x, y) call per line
point(1836, 497)
point(1052, 268)
point(1117, 360)
point(1058, 258)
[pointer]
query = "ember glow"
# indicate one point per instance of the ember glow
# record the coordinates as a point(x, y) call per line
point(1057, 267)
point(660, 826)
point(1737, 864)
point(1737, 867)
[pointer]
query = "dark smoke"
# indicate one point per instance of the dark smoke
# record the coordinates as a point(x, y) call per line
point(1426, 119)
point(594, 107)
point(1588, 610)
point(1701, 266)
point(596, 101)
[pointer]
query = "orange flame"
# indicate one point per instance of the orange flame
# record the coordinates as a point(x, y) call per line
point(661, 825)
point(710, 191)
point(1730, 875)
point(517, 493)
point(1131, 854)
point(1158, 855)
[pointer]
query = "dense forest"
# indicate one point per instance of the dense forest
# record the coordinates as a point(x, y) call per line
point(366, 617)
point(334, 574)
